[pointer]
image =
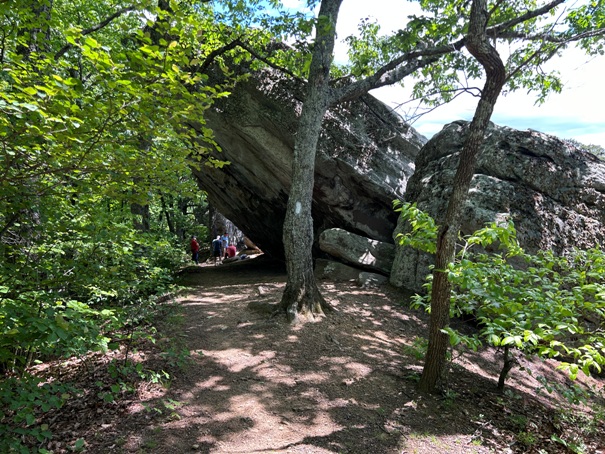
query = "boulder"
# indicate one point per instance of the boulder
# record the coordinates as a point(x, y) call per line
point(251, 247)
point(335, 271)
point(553, 191)
point(369, 280)
point(357, 250)
point(364, 159)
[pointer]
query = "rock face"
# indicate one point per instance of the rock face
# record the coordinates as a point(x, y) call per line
point(365, 157)
point(554, 192)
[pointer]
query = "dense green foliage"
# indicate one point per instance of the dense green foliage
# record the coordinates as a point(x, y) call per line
point(102, 109)
point(543, 304)
point(92, 140)
point(101, 118)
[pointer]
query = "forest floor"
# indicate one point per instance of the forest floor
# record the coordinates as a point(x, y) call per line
point(245, 382)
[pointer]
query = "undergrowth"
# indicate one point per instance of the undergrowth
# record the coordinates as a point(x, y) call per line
point(31, 402)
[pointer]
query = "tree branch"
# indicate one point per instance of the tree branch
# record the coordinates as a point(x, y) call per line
point(552, 38)
point(95, 28)
point(265, 60)
point(215, 53)
point(239, 43)
point(497, 30)
point(411, 118)
point(390, 73)
point(379, 79)
point(533, 56)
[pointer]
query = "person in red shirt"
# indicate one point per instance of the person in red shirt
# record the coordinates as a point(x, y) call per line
point(231, 251)
point(195, 250)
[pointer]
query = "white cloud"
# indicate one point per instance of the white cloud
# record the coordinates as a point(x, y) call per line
point(295, 4)
point(391, 15)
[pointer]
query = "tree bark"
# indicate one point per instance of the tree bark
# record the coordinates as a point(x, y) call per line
point(301, 297)
point(212, 231)
point(167, 214)
point(479, 46)
point(509, 363)
point(35, 32)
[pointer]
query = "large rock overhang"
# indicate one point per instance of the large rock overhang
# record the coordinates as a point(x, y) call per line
point(364, 159)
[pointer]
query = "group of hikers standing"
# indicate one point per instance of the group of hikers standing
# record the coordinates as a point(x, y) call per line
point(221, 249)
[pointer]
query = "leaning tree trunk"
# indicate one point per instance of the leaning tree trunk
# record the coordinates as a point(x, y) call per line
point(301, 296)
point(478, 45)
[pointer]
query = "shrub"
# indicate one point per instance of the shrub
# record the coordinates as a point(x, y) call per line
point(552, 306)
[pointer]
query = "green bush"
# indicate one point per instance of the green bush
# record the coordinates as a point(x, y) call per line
point(22, 400)
point(552, 306)
point(82, 283)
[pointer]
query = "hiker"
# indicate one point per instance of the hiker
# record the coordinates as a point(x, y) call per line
point(231, 251)
point(216, 250)
point(195, 250)
point(224, 244)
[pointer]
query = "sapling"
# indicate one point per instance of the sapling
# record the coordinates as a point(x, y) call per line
point(543, 304)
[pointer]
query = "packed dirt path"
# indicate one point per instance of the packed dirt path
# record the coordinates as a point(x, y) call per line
point(346, 384)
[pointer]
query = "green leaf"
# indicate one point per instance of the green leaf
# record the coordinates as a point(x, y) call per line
point(30, 419)
point(91, 42)
point(493, 340)
point(30, 107)
point(508, 340)
point(29, 90)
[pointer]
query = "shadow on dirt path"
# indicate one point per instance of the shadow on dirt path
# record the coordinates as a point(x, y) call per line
point(346, 384)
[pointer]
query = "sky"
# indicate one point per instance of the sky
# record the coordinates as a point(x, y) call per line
point(578, 112)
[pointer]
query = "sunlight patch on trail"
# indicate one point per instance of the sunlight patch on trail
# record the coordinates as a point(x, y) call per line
point(346, 367)
point(262, 423)
point(236, 360)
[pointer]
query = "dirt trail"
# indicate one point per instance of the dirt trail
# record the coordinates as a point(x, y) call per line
point(254, 384)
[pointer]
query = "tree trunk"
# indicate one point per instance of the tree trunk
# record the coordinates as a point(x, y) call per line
point(301, 298)
point(212, 233)
point(35, 33)
point(509, 362)
point(167, 214)
point(478, 45)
